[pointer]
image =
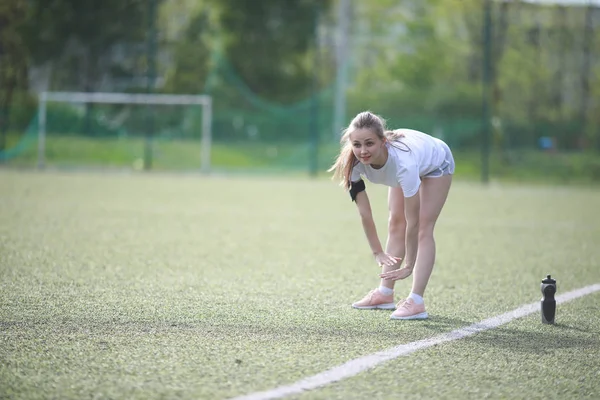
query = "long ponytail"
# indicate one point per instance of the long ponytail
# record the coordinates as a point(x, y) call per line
point(345, 161)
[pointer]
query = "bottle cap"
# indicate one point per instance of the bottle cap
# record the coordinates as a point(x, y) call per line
point(549, 281)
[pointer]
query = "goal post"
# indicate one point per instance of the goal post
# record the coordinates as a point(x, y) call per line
point(128, 98)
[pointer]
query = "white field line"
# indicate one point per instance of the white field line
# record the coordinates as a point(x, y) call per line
point(358, 365)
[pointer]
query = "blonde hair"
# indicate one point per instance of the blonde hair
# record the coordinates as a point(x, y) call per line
point(346, 160)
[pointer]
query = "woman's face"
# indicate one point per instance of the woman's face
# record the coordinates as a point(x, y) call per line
point(368, 147)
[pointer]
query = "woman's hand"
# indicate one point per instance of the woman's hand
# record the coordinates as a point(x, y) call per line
point(385, 260)
point(397, 274)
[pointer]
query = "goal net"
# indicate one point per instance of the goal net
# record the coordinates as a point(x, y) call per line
point(140, 131)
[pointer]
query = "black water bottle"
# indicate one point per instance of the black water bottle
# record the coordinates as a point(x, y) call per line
point(548, 301)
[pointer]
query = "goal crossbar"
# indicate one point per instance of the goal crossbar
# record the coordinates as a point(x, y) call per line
point(125, 98)
point(128, 98)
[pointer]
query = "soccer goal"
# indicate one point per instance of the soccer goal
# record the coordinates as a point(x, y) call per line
point(83, 98)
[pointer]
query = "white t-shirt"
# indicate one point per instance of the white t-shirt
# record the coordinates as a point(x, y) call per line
point(412, 157)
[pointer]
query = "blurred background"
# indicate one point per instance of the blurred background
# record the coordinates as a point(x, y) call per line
point(512, 86)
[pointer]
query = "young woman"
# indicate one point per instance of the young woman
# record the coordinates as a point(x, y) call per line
point(418, 170)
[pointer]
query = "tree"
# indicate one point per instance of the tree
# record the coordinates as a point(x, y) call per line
point(411, 58)
point(13, 60)
point(192, 50)
point(78, 36)
point(271, 43)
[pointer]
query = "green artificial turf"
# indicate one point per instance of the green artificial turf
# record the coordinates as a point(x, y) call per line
point(139, 286)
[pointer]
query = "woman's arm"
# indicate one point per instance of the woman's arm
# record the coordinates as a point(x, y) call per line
point(412, 208)
point(366, 216)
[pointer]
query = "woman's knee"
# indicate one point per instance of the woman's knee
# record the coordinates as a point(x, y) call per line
point(397, 222)
point(426, 230)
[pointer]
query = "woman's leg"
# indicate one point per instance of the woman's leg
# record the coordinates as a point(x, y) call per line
point(433, 192)
point(395, 245)
point(383, 297)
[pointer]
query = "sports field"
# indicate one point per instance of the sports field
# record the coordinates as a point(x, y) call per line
point(162, 286)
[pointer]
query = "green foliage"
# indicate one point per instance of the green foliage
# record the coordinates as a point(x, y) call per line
point(419, 63)
point(22, 110)
point(78, 35)
point(258, 61)
point(414, 81)
point(269, 46)
point(425, 62)
point(279, 39)
point(13, 62)
point(192, 55)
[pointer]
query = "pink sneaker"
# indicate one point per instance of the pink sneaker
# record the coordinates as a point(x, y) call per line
point(407, 309)
point(375, 300)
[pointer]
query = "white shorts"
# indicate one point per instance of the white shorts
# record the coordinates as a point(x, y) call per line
point(447, 167)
